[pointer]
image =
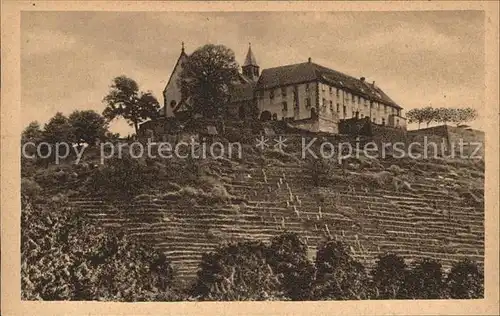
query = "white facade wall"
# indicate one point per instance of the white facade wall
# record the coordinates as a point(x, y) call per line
point(331, 104)
point(272, 100)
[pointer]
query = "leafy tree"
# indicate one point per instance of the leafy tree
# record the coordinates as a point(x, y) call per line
point(426, 280)
point(445, 115)
point(287, 255)
point(125, 100)
point(429, 114)
point(389, 277)
point(64, 257)
point(58, 130)
point(88, 126)
point(237, 272)
point(338, 275)
point(464, 115)
point(415, 116)
point(465, 280)
point(207, 77)
point(32, 133)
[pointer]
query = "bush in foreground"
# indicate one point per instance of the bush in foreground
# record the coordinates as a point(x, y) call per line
point(287, 255)
point(339, 276)
point(465, 281)
point(63, 257)
point(237, 272)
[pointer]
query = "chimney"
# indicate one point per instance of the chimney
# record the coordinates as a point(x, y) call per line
point(362, 79)
point(373, 83)
point(309, 60)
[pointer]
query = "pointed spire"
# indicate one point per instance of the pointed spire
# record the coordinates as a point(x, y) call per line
point(250, 59)
point(182, 49)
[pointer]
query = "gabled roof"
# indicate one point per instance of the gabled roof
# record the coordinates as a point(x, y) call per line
point(183, 56)
point(309, 71)
point(250, 59)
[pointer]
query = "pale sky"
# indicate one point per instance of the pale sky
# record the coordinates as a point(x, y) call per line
point(418, 58)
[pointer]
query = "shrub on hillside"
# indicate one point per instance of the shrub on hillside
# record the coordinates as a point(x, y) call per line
point(124, 177)
point(390, 277)
point(287, 255)
point(465, 281)
point(237, 272)
point(338, 275)
point(30, 189)
point(425, 280)
point(63, 257)
point(318, 169)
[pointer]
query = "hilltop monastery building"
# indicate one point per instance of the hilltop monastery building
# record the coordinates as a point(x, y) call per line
point(306, 95)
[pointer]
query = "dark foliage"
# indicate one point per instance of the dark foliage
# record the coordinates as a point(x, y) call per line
point(287, 255)
point(124, 177)
point(390, 277)
point(237, 272)
point(63, 257)
point(465, 281)
point(338, 275)
point(88, 126)
point(125, 100)
point(425, 280)
point(207, 78)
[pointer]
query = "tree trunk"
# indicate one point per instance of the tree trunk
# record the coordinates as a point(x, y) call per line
point(136, 127)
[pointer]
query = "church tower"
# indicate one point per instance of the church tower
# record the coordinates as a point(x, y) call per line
point(250, 67)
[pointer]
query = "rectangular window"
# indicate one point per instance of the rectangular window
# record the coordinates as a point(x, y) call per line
point(285, 106)
point(308, 102)
point(331, 106)
point(307, 87)
point(283, 92)
point(338, 107)
point(271, 94)
point(374, 120)
point(331, 89)
point(345, 110)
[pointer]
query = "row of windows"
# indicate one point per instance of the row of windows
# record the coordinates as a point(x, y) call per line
point(348, 97)
point(308, 105)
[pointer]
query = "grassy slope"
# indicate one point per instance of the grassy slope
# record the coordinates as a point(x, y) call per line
point(440, 215)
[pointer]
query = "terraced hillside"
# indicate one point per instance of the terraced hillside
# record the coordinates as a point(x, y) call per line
point(433, 218)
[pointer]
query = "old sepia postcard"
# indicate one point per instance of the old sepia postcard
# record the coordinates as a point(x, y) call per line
point(250, 158)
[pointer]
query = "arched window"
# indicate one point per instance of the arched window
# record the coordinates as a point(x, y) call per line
point(275, 117)
point(173, 103)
